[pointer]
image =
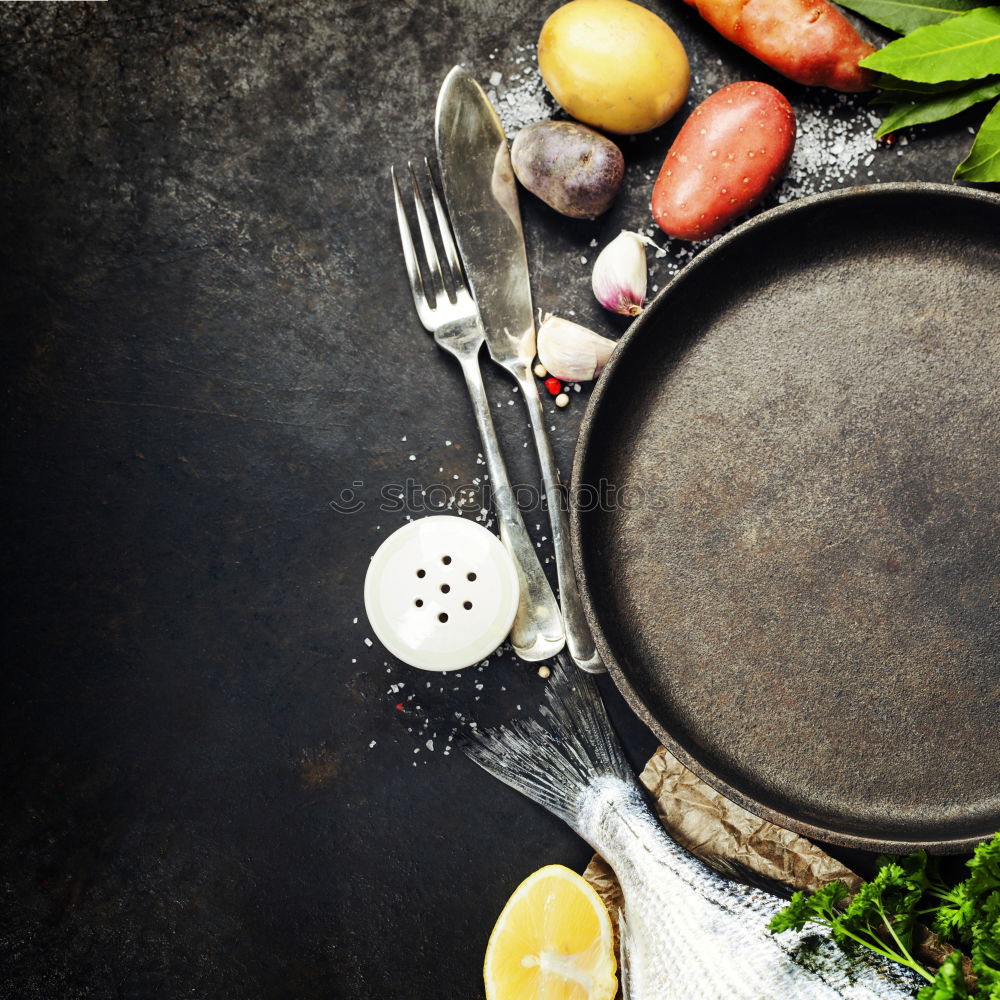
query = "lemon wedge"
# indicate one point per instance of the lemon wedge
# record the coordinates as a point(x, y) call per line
point(553, 941)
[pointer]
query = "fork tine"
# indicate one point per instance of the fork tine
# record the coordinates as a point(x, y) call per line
point(430, 251)
point(444, 228)
point(409, 253)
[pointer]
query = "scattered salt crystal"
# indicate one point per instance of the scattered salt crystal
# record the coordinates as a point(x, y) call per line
point(413, 458)
point(368, 641)
point(829, 147)
point(495, 78)
point(583, 260)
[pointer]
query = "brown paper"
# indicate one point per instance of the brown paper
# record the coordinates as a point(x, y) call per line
point(706, 823)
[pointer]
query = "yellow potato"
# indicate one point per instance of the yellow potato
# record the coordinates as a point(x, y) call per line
point(613, 64)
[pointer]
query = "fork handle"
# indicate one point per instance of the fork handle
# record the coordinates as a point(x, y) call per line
point(538, 631)
point(579, 640)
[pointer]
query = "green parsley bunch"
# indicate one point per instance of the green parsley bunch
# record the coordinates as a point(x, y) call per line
point(905, 892)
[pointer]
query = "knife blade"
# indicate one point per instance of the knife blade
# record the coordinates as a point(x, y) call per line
point(481, 194)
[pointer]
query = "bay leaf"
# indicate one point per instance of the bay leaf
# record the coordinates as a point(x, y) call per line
point(983, 162)
point(919, 109)
point(905, 15)
point(888, 85)
point(966, 47)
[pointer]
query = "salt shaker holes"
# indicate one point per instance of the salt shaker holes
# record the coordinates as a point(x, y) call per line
point(419, 593)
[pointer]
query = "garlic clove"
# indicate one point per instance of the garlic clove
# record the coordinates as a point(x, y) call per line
point(619, 279)
point(571, 352)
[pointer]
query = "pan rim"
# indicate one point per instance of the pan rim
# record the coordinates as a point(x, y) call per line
point(583, 456)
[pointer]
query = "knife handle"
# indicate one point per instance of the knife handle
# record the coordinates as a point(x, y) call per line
point(538, 632)
point(579, 640)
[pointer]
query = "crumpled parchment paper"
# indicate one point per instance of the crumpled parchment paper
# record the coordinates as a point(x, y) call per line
point(706, 823)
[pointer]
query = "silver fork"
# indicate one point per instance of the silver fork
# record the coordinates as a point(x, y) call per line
point(538, 632)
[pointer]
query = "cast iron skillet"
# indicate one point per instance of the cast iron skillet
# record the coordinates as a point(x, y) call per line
point(792, 572)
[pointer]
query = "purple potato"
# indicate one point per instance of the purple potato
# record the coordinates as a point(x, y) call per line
point(572, 168)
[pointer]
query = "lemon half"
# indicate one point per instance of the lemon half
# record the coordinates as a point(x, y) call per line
point(553, 941)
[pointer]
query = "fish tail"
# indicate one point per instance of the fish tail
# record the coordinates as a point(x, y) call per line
point(555, 761)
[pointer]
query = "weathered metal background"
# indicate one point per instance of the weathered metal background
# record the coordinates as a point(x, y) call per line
point(208, 337)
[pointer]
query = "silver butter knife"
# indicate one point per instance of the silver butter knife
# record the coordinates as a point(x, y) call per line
point(481, 195)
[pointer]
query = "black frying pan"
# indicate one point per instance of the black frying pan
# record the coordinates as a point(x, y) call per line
point(792, 573)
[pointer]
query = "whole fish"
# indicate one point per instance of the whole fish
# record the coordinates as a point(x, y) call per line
point(687, 932)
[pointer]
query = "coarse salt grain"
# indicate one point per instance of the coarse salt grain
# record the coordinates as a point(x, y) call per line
point(522, 100)
point(830, 144)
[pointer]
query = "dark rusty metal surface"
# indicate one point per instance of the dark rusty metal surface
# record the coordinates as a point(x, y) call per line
point(208, 790)
point(797, 582)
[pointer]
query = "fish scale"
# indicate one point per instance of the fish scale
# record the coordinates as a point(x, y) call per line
point(688, 933)
point(682, 917)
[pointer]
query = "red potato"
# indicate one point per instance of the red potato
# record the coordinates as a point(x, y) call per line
point(725, 159)
point(809, 41)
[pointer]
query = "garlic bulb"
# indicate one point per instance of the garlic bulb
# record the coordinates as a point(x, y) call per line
point(619, 279)
point(571, 352)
